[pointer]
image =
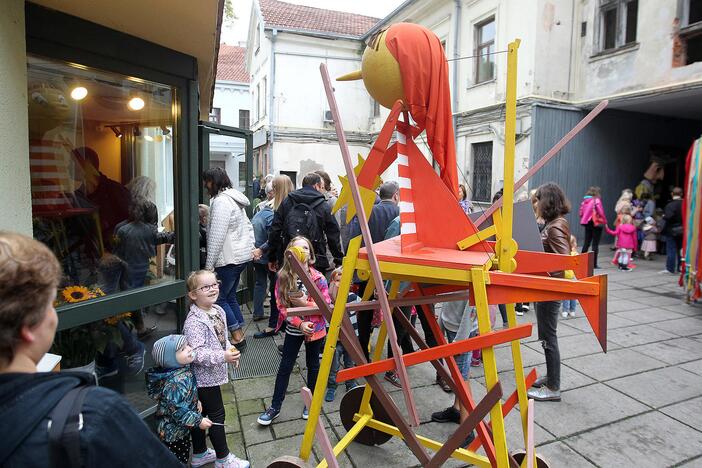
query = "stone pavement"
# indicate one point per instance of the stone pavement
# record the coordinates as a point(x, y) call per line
point(638, 405)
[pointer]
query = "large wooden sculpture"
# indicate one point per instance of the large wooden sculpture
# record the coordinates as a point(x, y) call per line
point(443, 255)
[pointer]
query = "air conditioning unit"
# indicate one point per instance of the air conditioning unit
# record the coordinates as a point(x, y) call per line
point(328, 118)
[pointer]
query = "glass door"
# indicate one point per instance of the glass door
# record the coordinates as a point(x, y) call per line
point(231, 149)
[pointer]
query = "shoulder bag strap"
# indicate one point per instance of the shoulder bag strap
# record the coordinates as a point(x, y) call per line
point(64, 429)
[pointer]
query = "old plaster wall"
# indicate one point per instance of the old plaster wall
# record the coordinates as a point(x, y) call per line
point(15, 192)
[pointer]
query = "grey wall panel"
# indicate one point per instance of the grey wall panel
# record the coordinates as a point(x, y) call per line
point(612, 152)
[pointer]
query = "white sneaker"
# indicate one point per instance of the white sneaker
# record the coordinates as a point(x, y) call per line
point(519, 313)
point(564, 314)
point(208, 457)
point(231, 462)
point(571, 313)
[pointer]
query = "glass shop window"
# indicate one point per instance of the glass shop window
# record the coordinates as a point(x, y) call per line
point(115, 351)
point(101, 151)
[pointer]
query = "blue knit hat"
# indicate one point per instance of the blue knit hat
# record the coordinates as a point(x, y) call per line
point(165, 349)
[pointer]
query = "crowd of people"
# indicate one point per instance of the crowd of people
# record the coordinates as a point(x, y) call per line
point(641, 229)
point(190, 368)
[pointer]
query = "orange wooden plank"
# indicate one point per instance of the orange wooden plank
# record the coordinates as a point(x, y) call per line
point(390, 251)
point(438, 352)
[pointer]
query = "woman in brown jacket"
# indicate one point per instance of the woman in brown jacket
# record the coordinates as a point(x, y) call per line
point(551, 206)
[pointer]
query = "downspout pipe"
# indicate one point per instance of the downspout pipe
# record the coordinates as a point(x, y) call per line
point(271, 102)
point(456, 56)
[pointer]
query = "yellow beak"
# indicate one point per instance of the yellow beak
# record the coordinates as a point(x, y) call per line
point(354, 75)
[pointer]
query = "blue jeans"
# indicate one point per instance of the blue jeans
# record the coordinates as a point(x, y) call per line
point(339, 354)
point(569, 304)
point(291, 346)
point(229, 275)
point(672, 250)
point(263, 275)
point(462, 360)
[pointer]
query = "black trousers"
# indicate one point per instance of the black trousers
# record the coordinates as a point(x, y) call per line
point(181, 449)
point(403, 337)
point(547, 323)
point(593, 234)
point(213, 408)
point(291, 346)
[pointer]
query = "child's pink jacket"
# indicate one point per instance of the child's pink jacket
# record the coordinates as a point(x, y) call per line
point(626, 236)
point(320, 325)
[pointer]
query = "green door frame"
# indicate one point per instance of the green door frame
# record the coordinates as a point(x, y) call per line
point(59, 36)
point(205, 129)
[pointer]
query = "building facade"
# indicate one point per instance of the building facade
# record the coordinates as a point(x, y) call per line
point(292, 124)
point(231, 106)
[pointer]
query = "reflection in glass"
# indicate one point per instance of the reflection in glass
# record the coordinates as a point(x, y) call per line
point(101, 162)
point(115, 352)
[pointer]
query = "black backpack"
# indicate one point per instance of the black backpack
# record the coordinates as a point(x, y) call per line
point(66, 422)
point(302, 220)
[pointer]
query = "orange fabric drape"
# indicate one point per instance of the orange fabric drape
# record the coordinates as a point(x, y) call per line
point(425, 80)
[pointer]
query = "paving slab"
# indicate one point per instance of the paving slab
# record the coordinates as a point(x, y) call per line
point(616, 363)
point(558, 454)
point(584, 344)
point(694, 310)
point(696, 462)
point(672, 351)
point(254, 406)
point(291, 409)
point(231, 418)
point(694, 366)
point(585, 408)
point(638, 335)
point(581, 322)
point(254, 433)
point(394, 452)
point(687, 326)
point(688, 412)
point(284, 429)
point(515, 435)
point(657, 300)
point(649, 440)
point(570, 378)
point(260, 387)
point(661, 386)
point(236, 445)
point(621, 305)
point(646, 315)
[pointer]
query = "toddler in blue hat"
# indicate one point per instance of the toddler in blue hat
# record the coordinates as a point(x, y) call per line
point(172, 384)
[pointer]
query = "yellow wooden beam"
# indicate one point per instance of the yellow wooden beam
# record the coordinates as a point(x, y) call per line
point(459, 454)
point(477, 237)
point(330, 347)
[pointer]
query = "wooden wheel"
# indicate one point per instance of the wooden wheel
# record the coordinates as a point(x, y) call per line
point(350, 404)
point(540, 461)
point(288, 462)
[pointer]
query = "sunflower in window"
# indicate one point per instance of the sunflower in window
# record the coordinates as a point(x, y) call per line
point(72, 294)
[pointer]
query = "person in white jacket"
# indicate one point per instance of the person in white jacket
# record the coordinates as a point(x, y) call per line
point(230, 245)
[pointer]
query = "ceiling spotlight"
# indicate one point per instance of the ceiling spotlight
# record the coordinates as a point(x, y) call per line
point(78, 93)
point(118, 132)
point(148, 138)
point(136, 103)
point(165, 130)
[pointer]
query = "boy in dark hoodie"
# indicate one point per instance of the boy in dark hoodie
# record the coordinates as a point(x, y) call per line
point(172, 384)
point(112, 434)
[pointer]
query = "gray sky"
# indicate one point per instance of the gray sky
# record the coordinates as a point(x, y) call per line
point(237, 31)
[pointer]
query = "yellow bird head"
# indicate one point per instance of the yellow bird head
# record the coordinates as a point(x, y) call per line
point(380, 72)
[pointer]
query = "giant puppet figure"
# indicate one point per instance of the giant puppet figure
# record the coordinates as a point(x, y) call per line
point(444, 257)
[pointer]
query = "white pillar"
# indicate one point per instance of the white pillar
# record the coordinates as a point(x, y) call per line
point(15, 191)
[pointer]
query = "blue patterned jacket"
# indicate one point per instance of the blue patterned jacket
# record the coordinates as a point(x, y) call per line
point(175, 392)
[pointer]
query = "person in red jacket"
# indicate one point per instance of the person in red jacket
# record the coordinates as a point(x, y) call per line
point(626, 241)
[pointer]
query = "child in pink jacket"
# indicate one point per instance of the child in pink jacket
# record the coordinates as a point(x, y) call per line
point(627, 241)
